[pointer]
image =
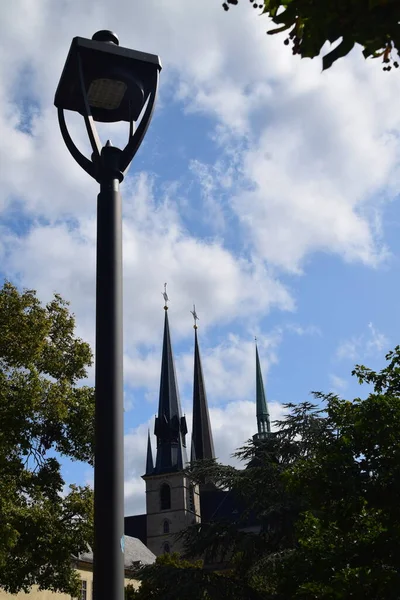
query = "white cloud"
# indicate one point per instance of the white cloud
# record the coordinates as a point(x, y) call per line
point(234, 424)
point(303, 329)
point(311, 177)
point(59, 258)
point(135, 466)
point(314, 150)
point(373, 343)
point(378, 342)
point(349, 349)
point(338, 384)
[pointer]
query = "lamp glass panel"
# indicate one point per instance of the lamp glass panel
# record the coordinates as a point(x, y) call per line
point(106, 93)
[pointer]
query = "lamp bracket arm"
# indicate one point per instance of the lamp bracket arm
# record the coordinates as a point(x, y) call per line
point(86, 164)
point(89, 122)
point(135, 138)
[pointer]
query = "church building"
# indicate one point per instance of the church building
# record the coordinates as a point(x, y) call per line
point(172, 501)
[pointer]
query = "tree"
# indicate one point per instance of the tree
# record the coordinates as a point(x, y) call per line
point(44, 414)
point(172, 577)
point(324, 490)
point(373, 24)
point(349, 536)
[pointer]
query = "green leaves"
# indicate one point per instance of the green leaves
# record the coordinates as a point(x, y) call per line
point(42, 411)
point(174, 578)
point(372, 24)
point(341, 50)
point(49, 534)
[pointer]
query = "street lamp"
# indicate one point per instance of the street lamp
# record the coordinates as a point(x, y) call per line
point(107, 83)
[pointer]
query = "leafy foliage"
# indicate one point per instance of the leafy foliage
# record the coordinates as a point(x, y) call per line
point(43, 413)
point(323, 491)
point(373, 24)
point(172, 577)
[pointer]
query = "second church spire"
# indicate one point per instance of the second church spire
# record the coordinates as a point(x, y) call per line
point(202, 439)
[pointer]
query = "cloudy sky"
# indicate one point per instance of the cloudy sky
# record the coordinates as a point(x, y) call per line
point(265, 192)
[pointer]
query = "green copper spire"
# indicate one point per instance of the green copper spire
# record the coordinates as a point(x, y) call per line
point(263, 421)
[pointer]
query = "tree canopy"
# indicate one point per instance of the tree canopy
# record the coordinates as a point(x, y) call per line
point(44, 414)
point(373, 24)
point(324, 491)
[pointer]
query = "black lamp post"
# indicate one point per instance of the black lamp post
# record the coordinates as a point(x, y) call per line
point(104, 82)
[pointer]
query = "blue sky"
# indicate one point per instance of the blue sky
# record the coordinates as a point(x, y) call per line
point(265, 192)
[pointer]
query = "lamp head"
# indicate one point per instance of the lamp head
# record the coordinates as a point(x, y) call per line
point(117, 81)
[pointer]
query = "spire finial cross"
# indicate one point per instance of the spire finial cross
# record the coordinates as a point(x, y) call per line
point(165, 296)
point(195, 317)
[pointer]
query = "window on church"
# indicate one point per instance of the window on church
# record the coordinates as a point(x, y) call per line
point(165, 496)
point(191, 498)
point(83, 594)
point(166, 527)
point(167, 548)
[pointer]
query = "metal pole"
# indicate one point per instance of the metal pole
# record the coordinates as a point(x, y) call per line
point(108, 561)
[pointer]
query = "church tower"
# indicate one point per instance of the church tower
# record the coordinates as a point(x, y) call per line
point(172, 502)
point(263, 419)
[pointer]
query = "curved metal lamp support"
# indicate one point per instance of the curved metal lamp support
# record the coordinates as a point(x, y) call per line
point(135, 138)
point(86, 164)
point(126, 155)
point(90, 126)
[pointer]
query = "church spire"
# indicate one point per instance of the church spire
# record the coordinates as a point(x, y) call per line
point(263, 420)
point(202, 440)
point(149, 458)
point(170, 427)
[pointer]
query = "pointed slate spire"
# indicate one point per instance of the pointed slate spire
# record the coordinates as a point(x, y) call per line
point(170, 427)
point(202, 440)
point(149, 458)
point(263, 420)
point(192, 452)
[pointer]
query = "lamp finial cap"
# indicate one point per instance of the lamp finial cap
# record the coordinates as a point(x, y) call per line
point(109, 37)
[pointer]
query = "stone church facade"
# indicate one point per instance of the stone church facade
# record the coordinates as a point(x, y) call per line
point(172, 501)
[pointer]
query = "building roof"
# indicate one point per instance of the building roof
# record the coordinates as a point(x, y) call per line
point(135, 551)
point(136, 526)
